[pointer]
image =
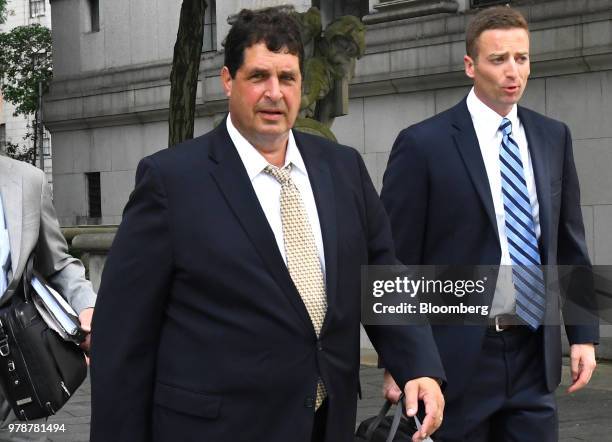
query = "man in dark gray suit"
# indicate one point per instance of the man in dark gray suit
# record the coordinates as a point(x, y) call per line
point(28, 225)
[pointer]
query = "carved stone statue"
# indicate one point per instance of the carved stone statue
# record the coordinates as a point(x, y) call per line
point(328, 67)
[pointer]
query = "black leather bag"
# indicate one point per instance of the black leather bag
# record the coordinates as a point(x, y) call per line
point(39, 371)
point(383, 428)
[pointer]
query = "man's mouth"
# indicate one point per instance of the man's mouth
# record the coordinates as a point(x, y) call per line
point(271, 113)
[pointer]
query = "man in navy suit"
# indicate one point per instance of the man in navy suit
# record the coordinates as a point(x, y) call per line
point(206, 329)
point(490, 182)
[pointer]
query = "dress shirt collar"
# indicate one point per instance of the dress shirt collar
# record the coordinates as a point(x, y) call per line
point(486, 119)
point(253, 161)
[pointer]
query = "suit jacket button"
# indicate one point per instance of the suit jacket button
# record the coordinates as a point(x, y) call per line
point(319, 345)
point(309, 402)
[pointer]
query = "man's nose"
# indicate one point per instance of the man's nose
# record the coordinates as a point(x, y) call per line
point(511, 68)
point(273, 90)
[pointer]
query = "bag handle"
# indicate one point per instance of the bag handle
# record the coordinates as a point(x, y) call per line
point(376, 422)
point(396, 418)
point(381, 415)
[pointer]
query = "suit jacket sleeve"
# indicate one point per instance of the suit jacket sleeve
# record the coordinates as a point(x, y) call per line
point(53, 261)
point(580, 312)
point(128, 316)
point(404, 196)
point(408, 352)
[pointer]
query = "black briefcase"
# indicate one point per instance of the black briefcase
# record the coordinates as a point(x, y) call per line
point(383, 428)
point(39, 370)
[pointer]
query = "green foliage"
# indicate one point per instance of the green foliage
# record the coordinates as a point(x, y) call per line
point(2, 11)
point(25, 59)
point(23, 152)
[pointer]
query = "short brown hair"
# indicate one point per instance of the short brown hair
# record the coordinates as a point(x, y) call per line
point(277, 29)
point(498, 17)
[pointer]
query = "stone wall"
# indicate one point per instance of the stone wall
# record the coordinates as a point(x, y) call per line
point(108, 104)
point(106, 119)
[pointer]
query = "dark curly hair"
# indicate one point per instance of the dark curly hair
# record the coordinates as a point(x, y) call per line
point(277, 29)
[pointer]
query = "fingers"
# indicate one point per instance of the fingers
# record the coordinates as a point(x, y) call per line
point(391, 391)
point(429, 392)
point(579, 383)
point(412, 397)
point(85, 319)
point(583, 378)
point(416, 437)
point(582, 365)
point(86, 343)
point(575, 367)
point(434, 410)
point(393, 394)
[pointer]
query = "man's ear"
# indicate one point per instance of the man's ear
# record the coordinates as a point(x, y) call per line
point(469, 65)
point(226, 80)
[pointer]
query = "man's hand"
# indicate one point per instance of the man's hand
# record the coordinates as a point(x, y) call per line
point(425, 389)
point(85, 318)
point(428, 391)
point(582, 363)
point(390, 391)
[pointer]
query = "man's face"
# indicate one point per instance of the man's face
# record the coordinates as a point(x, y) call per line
point(264, 96)
point(341, 51)
point(501, 69)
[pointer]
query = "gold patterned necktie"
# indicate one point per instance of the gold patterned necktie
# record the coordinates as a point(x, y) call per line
point(302, 254)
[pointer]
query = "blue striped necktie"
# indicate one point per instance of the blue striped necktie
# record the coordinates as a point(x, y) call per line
point(527, 274)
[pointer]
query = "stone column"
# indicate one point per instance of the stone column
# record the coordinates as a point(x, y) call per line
point(390, 10)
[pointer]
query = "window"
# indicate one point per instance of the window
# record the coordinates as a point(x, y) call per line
point(94, 194)
point(46, 144)
point(3, 137)
point(481, 3)
point(94, 15)
point(37, 8)
point(210, 27)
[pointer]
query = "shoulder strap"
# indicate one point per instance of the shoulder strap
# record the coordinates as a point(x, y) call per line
point(26, 277)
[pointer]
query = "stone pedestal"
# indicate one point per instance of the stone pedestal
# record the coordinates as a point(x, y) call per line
point(93, 248)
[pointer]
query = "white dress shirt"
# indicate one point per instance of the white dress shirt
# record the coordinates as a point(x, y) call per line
point(486, 123)
point(5, 249)
point(268, 189)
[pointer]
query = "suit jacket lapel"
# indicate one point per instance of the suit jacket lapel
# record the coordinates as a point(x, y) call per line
point(539, 152)
point(321, 182)
point(12, 201)
point(233, 182)
point(469, 149)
